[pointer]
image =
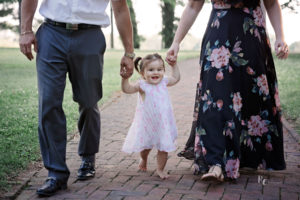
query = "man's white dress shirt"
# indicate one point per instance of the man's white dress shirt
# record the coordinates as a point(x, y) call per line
point(76, 11)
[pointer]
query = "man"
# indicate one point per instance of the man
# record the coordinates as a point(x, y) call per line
point(71, 41)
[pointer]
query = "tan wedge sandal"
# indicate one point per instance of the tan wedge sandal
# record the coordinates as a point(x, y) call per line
point(214, 174)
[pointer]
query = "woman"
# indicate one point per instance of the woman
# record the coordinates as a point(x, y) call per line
point(238, 122)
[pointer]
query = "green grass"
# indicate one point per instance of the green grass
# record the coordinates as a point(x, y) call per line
point(18, 110)
point(288, 74)
point(19, 107)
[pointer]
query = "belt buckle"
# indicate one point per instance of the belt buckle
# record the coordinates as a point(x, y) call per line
point(71, 26)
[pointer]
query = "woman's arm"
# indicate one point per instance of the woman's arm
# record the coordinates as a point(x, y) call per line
point(275, 16)
point(175, 76)
point(187, 19)
point(128, 88)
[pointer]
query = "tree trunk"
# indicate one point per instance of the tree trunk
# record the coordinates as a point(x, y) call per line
point(111, 28)
point(136, 37)
point(19, 15)
point(168, 17)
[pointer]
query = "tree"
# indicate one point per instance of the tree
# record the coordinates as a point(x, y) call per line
point(168, 17)
point(136, 38)
point(291, 4)
point(7, 9)
point(111, 28)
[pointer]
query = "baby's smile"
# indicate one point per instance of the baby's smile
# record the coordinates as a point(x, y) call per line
point(155, 77)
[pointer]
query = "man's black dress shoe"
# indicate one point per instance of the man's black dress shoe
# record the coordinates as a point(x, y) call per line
point(86, 170)
point(187, 154)
point(51, 186)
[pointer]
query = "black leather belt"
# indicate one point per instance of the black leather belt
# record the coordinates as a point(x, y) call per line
point(71, 26)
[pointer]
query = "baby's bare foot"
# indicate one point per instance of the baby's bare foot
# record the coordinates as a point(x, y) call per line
point(162, 174)
point(143, 165)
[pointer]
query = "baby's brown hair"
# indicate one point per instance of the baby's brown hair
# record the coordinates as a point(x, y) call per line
point(140, 66)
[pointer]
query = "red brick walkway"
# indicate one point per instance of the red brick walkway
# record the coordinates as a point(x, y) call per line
point(117, 176)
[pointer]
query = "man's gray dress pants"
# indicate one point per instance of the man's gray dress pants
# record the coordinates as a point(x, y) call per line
point(78, 53)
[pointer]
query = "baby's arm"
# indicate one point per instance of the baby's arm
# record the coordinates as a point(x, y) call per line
point(129, 88)
point(175, 76)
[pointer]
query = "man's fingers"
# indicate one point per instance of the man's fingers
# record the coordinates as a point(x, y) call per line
point(35, 45)
point(26, 41)
point(125, 73)
point(28, 49)
point(28, 52)
point(126, 67)
point(22, 49)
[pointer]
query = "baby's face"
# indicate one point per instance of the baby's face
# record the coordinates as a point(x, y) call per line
point(154, 72)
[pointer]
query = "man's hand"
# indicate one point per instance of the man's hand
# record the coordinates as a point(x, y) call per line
point(25, 42)
point(127, 66)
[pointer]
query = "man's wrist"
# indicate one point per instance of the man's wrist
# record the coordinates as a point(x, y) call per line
point(26, 32)
point(130, 55)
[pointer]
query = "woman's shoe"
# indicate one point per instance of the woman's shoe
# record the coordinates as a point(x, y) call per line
point(214, 174)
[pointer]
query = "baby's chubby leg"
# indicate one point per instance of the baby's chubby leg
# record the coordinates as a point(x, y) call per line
point(162, 158)
point(144, 157)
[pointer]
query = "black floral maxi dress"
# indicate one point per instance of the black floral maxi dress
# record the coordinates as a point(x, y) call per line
point(239, 115)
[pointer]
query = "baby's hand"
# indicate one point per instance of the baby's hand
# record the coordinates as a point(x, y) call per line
point(172, 53)
point(124, 73)
point(126, 67)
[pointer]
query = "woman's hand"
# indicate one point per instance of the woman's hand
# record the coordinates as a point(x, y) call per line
point(281, 49)
point(172, 54)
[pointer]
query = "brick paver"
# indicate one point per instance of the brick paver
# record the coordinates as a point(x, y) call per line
point(117, 176)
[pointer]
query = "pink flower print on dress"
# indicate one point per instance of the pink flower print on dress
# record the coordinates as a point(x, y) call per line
point(276, 97)
point(230, 69)
point(250, 71)
point(209, 102)
point(237, 47)
point(263, 84)
point(204, 151)
point(259, 18)
point(216, 23)
point(237, 102)
point(257, 34)
point(257, 126)
point(274, 109)
point(228, 133)
point(243, 123)
point(249, 143)
point(204, 97)
point(220, 57)
point(219, 76)
point(197, 141)
point(232, 168)
point(200, 83)
point(246, 10)
point(269, 146)
point(219, 103)
point(221, 5)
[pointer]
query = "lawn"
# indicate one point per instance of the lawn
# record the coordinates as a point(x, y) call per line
point(18, 107)
point(288, 74)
